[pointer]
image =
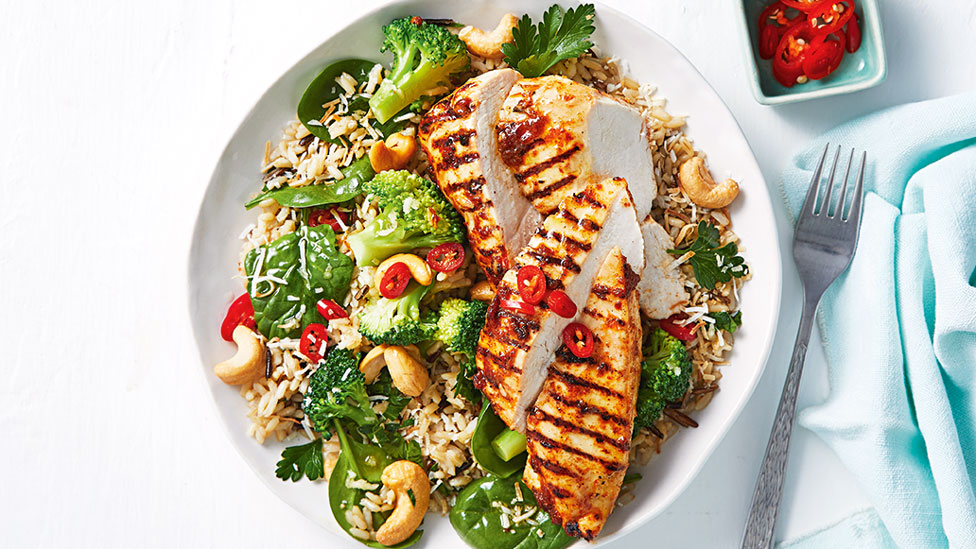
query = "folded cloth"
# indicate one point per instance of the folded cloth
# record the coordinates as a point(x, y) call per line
point(899, 326)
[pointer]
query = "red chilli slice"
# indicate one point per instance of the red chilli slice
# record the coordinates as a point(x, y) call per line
point(517, 306)
point(241, 311)
point(395, 280)
point(561, 304)
point(313, 343)
point(446, 258)
point(330, 216)
point(684, 333)
point(330, 310)
point(531, 284)
point(578, 339)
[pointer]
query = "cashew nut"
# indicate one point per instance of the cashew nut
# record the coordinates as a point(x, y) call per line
point(412, 488)
point(409, 375)
point(372, 363)
point(702, 189)
point(248, 364)
point(419, 269)
point(392, 154)
point(482, 291)
point(489, 44)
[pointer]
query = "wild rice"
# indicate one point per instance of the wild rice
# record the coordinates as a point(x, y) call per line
point(443, 423)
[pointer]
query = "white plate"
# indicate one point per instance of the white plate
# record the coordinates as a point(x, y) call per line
point(214, 252)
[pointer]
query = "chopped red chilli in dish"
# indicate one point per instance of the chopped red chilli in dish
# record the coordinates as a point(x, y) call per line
point(684, 333)
point(531, 284)
point(241, 311)
point(330, 310)
point(395, 280)
point(806, 40)
point(561, 304)
point(332, 216)
point(578, 339)
point(314, 342)
point(446, 258)
point(517, 306)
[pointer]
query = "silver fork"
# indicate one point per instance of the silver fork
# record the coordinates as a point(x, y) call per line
point(823, 246)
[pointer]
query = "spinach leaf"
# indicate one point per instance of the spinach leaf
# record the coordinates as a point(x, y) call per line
point(478, 522)
point(347, 188)
point(729, 322)
point(490, 426)
point(290, 275)
point(324, 89)
point(358, 461)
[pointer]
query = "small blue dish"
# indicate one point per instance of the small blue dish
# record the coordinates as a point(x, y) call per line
point(860, 70)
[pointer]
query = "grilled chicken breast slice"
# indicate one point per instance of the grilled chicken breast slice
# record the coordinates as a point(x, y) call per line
point(662, 287)
point(458, 135)
point(515, 348)
point(558, 135)
point(579, 430)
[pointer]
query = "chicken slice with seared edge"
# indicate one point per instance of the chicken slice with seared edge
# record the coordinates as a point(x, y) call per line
point(515, 348)
point(579, 430)
point(458, 135)
point(662, 287)
point(558, 136)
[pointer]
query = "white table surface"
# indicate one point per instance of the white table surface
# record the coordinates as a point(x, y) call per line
point(112, 115)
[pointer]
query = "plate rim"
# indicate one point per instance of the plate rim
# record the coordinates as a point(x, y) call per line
point(769, 332)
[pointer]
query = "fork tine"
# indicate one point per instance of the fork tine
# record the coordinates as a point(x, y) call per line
point(839, 210)
point(810, 203)
point(825, 206)
point(855, 213)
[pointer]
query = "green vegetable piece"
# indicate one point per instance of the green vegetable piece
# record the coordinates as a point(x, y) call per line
point(726, 321)
point(414, 214)
point(459, 325)
point(324, 89)
point(710, 262)
point(665, 377)
point(359, 461)
point(464, 386)
point(508, 444)
point(383, 385)
point(290, 275)
point(397, 321)
point(347, 188)
point(560, 35)
point(478, 522)
point(631, 478)
point(337, 389)
point(425, 57)
point(490, 426)
point(303, 460)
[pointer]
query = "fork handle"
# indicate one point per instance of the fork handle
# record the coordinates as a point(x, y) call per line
point(769, 487)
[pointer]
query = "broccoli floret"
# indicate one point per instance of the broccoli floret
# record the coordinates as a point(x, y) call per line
point(337, 390)
point(460, 324)
point(414, 214)
point(665, 377)
point(425, 57)
point(397, 321)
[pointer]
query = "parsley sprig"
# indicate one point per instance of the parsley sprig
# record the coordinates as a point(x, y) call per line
point(560, 35)
point(305, 459)
point(710, 262)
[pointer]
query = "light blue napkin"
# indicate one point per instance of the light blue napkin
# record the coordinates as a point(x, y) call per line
point(899, 328)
